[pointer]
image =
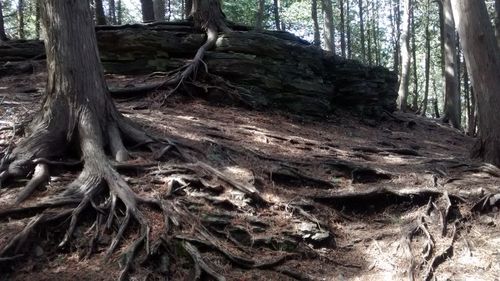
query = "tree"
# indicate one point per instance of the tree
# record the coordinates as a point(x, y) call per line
point(497, 20)
point(405, 58)
point(259, 18)
point(414, 103)
point(342, 28)
point(482, 56)
point(329, 29)
point(159, 10)
point(112, 11)
point(3, 36)
point(348, 30)
point(452, 97)
point(314, 16)
point(20, 18)
point(276, 10)
point(147, 8)
point(427, 58)
point(361, 30)
point(396, 33)
point(99, 13)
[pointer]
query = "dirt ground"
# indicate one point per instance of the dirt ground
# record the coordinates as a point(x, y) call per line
point(350, 197)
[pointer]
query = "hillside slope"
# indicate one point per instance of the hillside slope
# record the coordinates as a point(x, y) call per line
point(349, 198)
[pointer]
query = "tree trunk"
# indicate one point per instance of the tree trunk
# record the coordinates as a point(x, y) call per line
point(361, 30)
point(342, 28)
point(452, 97)
point(497, 21)
point(348, 29)
point(3, 36)
point(20, 18)
point(276, 10)
point(112, 11)
point(369, 29)
point(414, 103)
point(119, 13)
point(405, 58)
point(329, 29)
point(37, 19)
point(314, 16)
point(376, 35)
point(148, 14)
point(427, 57)
point(482, 56)
point(99, 13)
point(159, 10)
point(259, 18)
point(396, 35)
point(435, 99)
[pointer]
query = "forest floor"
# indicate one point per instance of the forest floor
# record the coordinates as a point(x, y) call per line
point(351, 198)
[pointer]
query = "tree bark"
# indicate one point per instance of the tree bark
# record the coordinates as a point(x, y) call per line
point(276, 10)
point(259, 18)
point(37, 19)
point(99, 13)
point(348, 29)
point(427, 57)
point(497, 21)
point(20, 18)
point(405, 58)
point(369, 35)
point(159, 10)
point(3, 36)
point(361, 30)
point(482, 56)
point(329, 29)
point(112, 11)
point(148, 14)
point(342, 28)
point(119, 13)
point(314, 16)
point(452, 96)
point(414, 103)
point(396, 34)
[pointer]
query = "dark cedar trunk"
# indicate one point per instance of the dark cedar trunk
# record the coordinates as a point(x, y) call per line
point(441, 40)
point(361, 30)
point(482, 56)
point(99, 13)
point(276, 10)
point(148, 13)
point(414, 103)
point(3, 36)
point(468, 101)
point(314, 16)
point(37, 19)
point(348, 30)
point(369, 36)
point(159, 10)
point(396, 35)
point(169, 9)
point(405, 58)
point(329, 29)
point(376, 34)
point(435, 99)
point(497, 21)
point(342, 29)
point(112, 11)
point(20, 18)
point(119, 13)
point(259, 18)
point(452, 97)
point(427, 58)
